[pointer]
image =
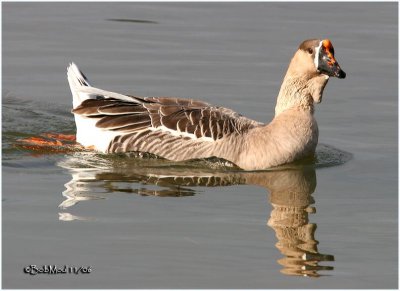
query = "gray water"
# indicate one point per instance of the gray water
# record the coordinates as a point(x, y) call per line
point(150, 223)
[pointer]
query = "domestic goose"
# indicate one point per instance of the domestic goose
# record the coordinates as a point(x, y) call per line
point(183, 129)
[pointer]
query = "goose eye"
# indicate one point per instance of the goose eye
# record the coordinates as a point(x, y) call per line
point(310, 51)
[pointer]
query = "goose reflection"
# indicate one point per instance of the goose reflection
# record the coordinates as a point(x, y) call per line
point(289, 190)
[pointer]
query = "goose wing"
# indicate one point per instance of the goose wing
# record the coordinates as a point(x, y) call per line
point(174, 116)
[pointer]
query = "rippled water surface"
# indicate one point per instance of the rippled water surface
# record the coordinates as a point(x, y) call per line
point(145, 222)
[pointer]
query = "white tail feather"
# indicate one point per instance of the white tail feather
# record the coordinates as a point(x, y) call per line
point(77, 80)
point(106, 94)
point(81, 89)
point(87, 134)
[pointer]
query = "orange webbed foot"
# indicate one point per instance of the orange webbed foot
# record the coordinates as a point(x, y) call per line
point(60, 136)
point(50, 143)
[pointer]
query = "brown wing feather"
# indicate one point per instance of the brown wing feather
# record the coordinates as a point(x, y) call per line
point(90, 107)
point(121, 109)
point(184, 115)
point(113, 122)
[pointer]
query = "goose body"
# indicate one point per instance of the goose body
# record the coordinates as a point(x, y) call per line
point(183, 129)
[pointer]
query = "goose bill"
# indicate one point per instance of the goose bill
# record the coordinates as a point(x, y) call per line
point(327, 63)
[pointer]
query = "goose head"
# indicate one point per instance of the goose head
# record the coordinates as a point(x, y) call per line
point(308, 73)
point(316, 57)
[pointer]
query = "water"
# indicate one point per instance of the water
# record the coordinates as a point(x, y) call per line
point(150, 223)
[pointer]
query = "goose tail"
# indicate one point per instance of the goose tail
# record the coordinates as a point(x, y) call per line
point(77, 82)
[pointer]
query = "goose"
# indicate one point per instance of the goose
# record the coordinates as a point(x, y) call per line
point(183, 129)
